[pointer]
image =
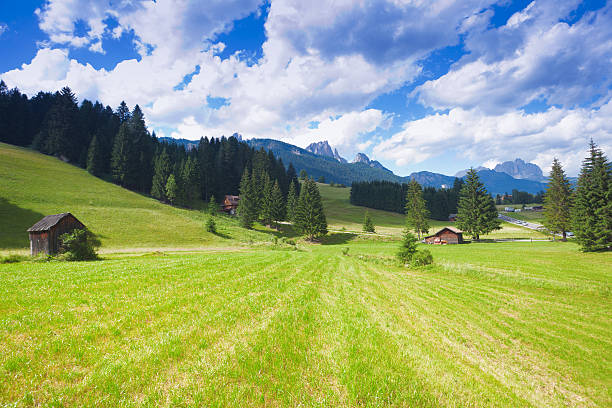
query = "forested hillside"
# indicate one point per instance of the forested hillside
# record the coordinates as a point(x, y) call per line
point(116, 145)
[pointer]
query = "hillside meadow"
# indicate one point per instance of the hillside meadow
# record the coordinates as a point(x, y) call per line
point(175, 316)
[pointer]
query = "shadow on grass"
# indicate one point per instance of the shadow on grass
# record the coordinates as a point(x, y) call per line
point(337, 238)
point(14, 223)
point(284, 230)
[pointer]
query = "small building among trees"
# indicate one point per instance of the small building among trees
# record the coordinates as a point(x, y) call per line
point(447, 235)
point(45, 234)
point(230, 204)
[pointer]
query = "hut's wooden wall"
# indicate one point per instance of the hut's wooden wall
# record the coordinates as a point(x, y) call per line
point(39, 242)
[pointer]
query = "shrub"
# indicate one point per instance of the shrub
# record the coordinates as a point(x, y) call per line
point(79, 245)
point(345, 251)
point(211, 225)
point(421, 258)
point(408, 248)
point(12, 258)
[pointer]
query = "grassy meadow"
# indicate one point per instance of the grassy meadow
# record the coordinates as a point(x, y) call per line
point(174, 316)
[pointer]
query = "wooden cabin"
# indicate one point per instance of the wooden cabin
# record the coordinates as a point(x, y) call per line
point(447, 235)
point(45, 234)
point(230, 204)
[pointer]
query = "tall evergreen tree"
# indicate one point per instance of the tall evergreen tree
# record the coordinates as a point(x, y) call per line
point(191, 179)
point(592, 211)
point(172, 189)
point(292, 201)
point(163, 168)
point(95, 163)
point(309, 217)
point(123, 112)
point(61, 126)
point(277, 203)
point(265, 201)
point(122, 159)
point(247, 206)
point(557, 201)
point(476, 214)
point(416, 212)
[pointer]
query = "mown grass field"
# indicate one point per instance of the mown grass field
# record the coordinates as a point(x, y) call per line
point(174, 316)
point(513, 324)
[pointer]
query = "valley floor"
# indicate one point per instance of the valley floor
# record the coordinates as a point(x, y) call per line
point(517, 324)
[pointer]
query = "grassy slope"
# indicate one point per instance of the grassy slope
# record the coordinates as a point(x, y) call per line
point(33, 185)
point(491, 325)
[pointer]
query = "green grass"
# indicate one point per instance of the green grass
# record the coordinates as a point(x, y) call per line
point(531, 216)
point(33, 185)
point(489, 325)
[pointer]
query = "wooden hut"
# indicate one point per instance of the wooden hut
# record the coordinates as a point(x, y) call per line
point(230, 204)
point(447, 235)
point(44, 235)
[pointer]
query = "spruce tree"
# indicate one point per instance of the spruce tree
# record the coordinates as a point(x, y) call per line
point(368, 225)
point(95, 164)
point(212, 205)
point(160, 177)
point(309, 217)
point(277, 203)
point(592, 211)
point(121, 156)
point(123, 112)
point(247, 209)
point(171, 189)
point(292, 201)
point(408, 247)
point(416, 212)
point(557, 201)
point(265, 201)
point(476, 212)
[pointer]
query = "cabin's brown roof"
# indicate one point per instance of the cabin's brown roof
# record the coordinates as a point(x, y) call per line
point(453, 229)
point(48, 222)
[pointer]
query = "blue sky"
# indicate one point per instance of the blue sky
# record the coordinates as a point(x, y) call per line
point(434, 85)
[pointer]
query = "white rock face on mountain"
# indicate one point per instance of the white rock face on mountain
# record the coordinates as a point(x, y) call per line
point(362, 158)
point(324, 149)
point(521, 170)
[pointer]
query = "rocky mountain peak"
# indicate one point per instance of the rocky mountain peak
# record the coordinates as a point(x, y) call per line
point(324, 149)
point(521, 170)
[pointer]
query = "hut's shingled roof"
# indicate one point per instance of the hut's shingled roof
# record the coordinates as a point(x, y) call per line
point(48, 222)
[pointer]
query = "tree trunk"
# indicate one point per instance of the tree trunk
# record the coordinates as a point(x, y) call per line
point(564, 236)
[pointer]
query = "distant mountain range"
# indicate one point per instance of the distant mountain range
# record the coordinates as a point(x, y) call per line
point(517, 169)
point(321, 160)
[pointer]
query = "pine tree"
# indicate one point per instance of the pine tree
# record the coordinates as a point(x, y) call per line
point(171, 189)
point(123, 112)
point(94, 157)
point(160, 178)
point(592, 211)
point(191, 179)
point(416, 212)
point(368, 225)
point(292, 201)
point(247, 210)
point(408, 247)
point(60, 126)
point(278, 203)
point(212, 205)
point(476, 213)
point(309, 217)
point(557, 200)
point(121, 156)
point(265, 201)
